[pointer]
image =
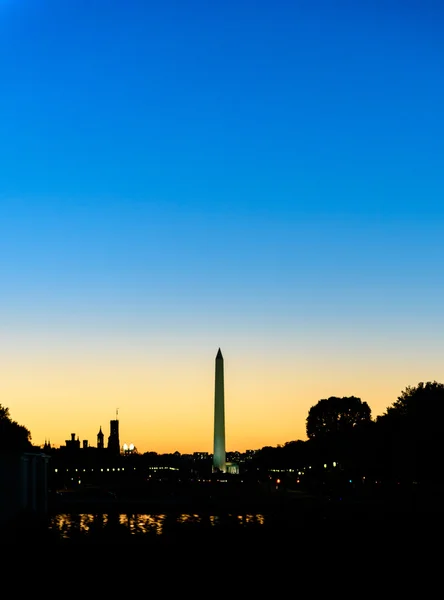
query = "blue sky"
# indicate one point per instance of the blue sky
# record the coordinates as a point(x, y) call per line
point(321, 107)
point(206, 169)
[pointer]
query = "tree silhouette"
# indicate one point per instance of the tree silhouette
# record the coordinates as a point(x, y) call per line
point(13, 437)
point(424, 402)
point(411, 431)
point(336, 416)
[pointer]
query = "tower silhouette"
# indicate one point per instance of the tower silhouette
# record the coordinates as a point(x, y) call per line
point(219, 456)
point(113, 439)
point(100, 437)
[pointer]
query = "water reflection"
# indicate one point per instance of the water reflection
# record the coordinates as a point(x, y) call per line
point(71, 525)
point(143, 523)
point(67, 524)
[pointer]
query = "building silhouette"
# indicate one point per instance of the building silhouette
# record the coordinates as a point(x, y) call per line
point(100, 436)
point(113, 439)
point(73, 444)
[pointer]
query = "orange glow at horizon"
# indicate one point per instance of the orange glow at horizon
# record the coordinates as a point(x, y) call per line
point(166, 397)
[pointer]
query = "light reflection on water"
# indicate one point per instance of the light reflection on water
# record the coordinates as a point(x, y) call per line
point(143, 523)
point(84, 523)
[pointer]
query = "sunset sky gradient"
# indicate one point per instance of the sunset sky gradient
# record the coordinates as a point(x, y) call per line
point(175, 177)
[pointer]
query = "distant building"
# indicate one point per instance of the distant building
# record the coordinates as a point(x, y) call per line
point(73, 444)
point(85, 444)
point(100, 436)
point(232, 468)
point(113, 439)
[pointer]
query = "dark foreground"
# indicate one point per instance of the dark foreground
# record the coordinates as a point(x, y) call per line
point(312, 520)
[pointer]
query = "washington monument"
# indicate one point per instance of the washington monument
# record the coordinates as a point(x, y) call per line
point(219, 417)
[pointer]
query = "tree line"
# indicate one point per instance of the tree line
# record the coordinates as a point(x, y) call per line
point(403, 445)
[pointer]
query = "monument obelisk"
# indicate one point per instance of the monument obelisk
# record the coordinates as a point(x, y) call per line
point(219, 417)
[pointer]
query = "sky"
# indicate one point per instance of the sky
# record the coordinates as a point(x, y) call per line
point(175, 177)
